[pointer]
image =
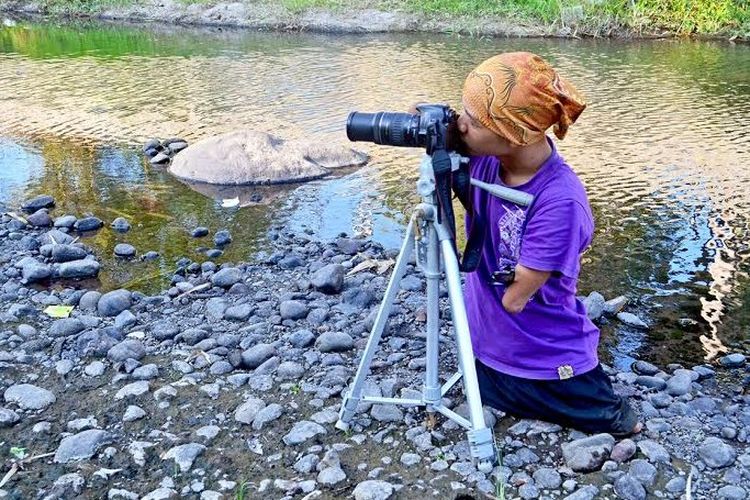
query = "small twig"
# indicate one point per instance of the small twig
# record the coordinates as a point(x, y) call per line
point(17, 217)
point(194, 289)
point(19, 465)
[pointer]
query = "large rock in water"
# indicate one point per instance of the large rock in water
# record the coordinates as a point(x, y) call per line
point(250, 157)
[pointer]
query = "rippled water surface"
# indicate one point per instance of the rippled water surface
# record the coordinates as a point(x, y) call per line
point(663, 150)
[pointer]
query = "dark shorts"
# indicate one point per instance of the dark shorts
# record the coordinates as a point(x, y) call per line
point(586, 402)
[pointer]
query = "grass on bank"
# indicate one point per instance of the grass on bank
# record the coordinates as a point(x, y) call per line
point(595, 17)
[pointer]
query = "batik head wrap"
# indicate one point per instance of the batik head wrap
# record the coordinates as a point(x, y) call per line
point(518, 95)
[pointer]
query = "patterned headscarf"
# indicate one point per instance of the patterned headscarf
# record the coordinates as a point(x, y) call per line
point(518, 95)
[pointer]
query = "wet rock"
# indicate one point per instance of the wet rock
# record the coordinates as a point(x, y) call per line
point(226, 277)
point(303, 431)
point(121, 225)
point(38, 202)
point(66, 221)
point(643, 471)
point(113, 303)
point(160, 159)
point(34, 271)
point(645, 368)
point(79, 269)
point(222, 238)
point(632, 320)
point(652, 382)
point(88, 224)
point(81, 446)
point(716, 453)
point(29, 397)
point(184, 455)
point(732, 360)
point(594, 304)
point(588, 454)
point(40, 218)
point(150, 255)
point(329, 279)
point(66, 326)
point(67, 253)
point(627, 487)
point(199, 232)
point(151, 144)
point(373, 490)
point(124, 250)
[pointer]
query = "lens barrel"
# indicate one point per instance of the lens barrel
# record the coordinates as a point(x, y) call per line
point(392, 129)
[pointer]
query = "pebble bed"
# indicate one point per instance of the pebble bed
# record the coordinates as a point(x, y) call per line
point(228, 385)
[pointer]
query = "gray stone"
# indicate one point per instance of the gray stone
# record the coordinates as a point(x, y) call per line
point(38, 202)
point(29, 397)
point(132, 390)
point(303, 431)
point(329, 279)
point(124, 250)
point(628, 488)
point(238, 313)
point(88, 224)
point(133, 413)
point(655, 452)
point(716, 453)
point(121, 225)
point(127, 349)
point(40, 218)
point(227, 277)
point(65, 221)
point(79, 269)
point(248, 410)
point(547, 478)
point(290, 370)
point(8, 418)
point(732, 360)
point(386, 413)
point(257, 355)
point(594, 304)
point(679, 383)
point(293, 309)
point(411, 283)
point(145, 372)
point(643, 471)
point(113, 303)
point(613, 306)
point(334, 342)
point(587, 492)
point(34, 271)
point(67, 253)
point(94, 369)
point(222, 238)
point(267, 414)
point(409, 459)
point(331, 476)
point(632, 320)
point(301, 338)
point(676, 485)
point(66, 326)
point(125, 319)
point(55, 237)
point(81, 446)
point(184, 455)
point(373, 490)
point(199, 232)
point(731, 492)
point(588, 454)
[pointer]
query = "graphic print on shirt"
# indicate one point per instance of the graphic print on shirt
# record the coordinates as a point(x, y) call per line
point(510, 227)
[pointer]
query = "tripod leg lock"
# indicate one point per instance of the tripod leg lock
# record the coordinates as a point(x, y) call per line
point(481, 445)
point(432, 395)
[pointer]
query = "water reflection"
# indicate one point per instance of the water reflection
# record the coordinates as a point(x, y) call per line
point(661, 149)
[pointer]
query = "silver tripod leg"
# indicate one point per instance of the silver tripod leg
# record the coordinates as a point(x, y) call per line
point(353, 397)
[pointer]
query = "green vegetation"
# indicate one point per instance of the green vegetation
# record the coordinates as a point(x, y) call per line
point(584, 17)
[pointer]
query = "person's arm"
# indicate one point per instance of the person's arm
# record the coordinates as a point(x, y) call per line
point(525, 284)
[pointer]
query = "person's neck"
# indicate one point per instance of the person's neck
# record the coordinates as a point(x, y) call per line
point(524, 162)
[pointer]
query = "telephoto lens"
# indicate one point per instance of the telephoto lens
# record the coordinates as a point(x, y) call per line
point(391, 129)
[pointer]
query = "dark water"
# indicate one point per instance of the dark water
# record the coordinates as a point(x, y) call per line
point(662, 149)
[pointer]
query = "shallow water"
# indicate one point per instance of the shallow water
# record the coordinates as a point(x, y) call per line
point(662, 150)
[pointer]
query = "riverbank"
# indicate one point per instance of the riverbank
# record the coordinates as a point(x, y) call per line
point(605, 18)
point(228, 384)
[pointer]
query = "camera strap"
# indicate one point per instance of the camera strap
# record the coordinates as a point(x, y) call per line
point(459, 181)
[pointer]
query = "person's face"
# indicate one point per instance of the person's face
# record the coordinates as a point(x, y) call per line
point(479, 140)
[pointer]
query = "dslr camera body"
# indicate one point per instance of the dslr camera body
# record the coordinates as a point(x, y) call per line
point(433, 127)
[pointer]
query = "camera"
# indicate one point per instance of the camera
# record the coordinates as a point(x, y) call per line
point(433, 127)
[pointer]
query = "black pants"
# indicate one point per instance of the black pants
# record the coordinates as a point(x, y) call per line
point(586, 402)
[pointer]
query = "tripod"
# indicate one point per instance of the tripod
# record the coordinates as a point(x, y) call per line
point(434, 253)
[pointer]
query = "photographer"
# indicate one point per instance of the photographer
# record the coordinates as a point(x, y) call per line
point(535, 347)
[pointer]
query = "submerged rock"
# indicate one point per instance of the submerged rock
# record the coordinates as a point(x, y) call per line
point(250, 157)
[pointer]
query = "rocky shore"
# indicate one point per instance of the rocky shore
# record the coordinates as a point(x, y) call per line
point(227, 385)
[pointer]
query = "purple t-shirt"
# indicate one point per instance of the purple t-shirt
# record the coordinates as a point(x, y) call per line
point(552, 338)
